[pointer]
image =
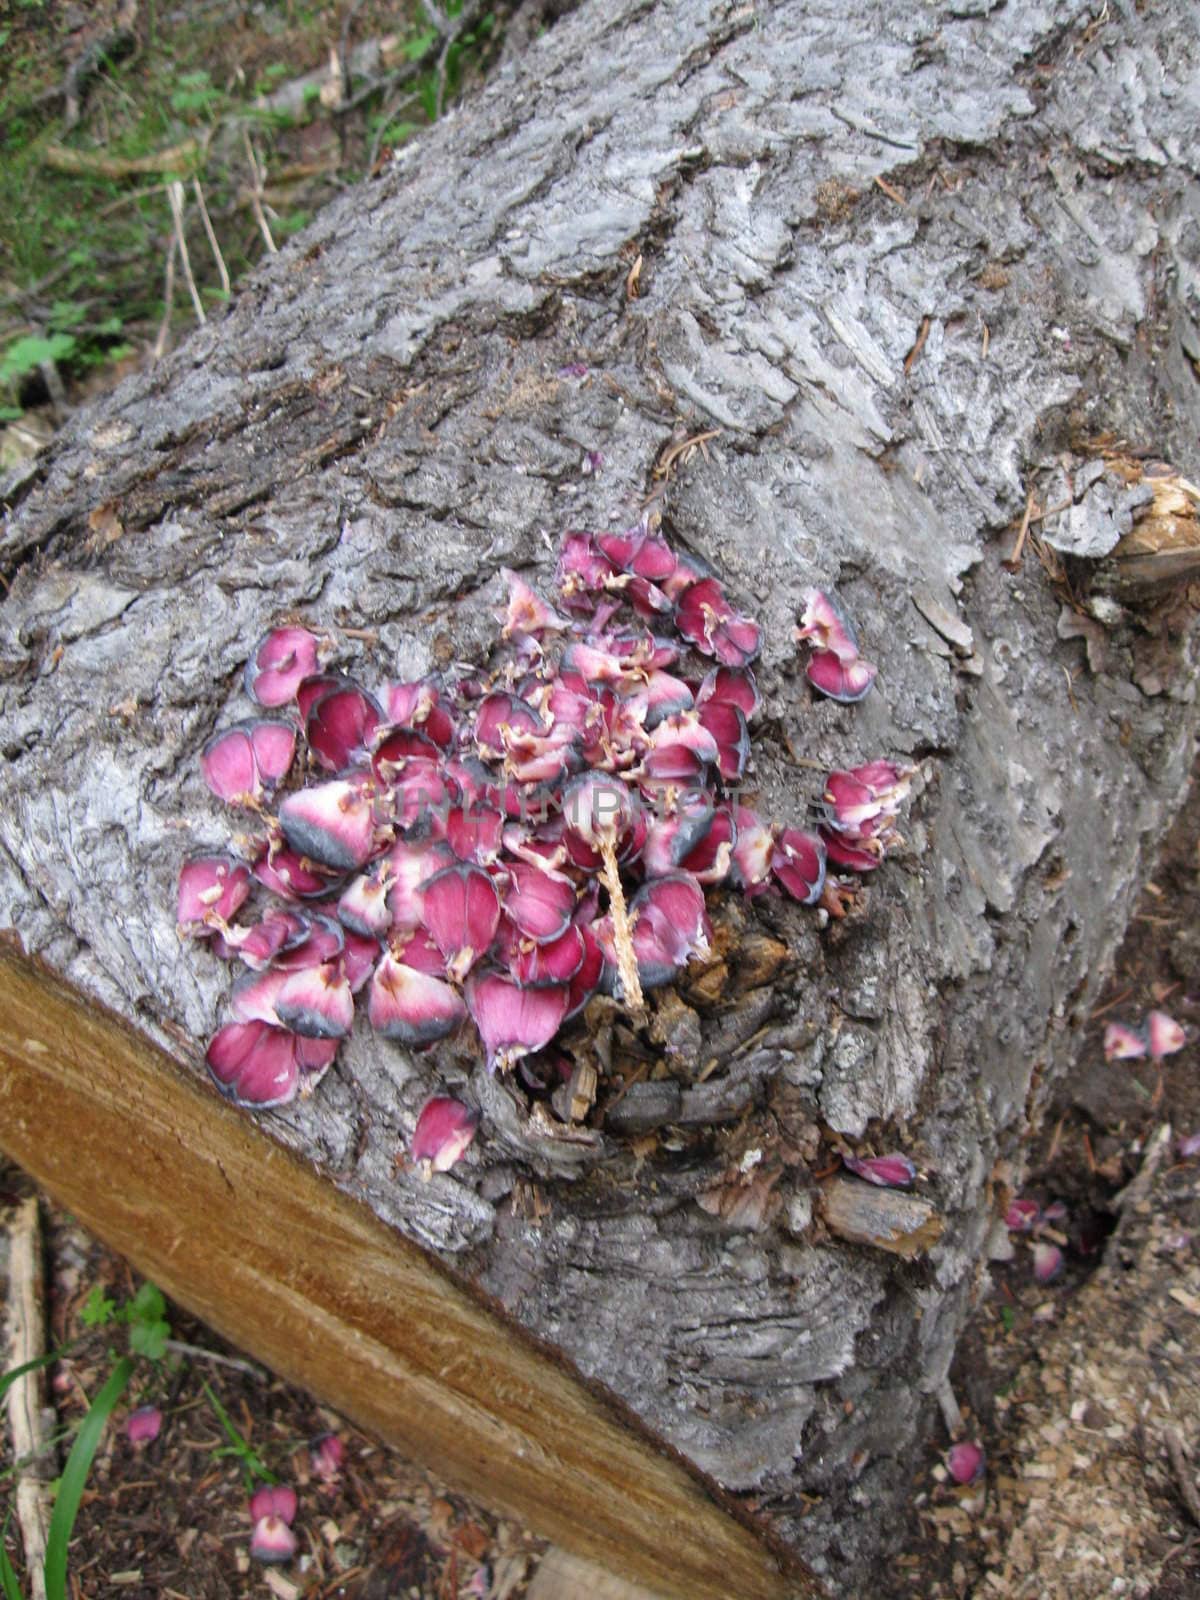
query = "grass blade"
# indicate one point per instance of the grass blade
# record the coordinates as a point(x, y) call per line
point(8, 1577)
point(75, 1474)
point(13, 1373)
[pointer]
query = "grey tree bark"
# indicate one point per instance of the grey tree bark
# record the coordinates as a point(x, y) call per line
point(899, 258)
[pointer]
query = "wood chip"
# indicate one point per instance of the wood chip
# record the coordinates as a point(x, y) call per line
point(903, 1224)
point(944, 621)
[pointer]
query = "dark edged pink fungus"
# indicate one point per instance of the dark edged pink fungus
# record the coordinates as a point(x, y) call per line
point(407, 868)
point(280, 662)
point(706, 619)
point(499, 717)
point(826, 627)
point(727, 725)
point(316, 1002)
point(254, 1064)
point(752, 853)
point(731, 686)
point(143, 1426)
point(670, 927)
point(1021, 1215)
point(340, 725)
point(444, 1129)
point(272, 1542)
point(526, 615)
point(461, 910)
point(530, 962)
point(419, 705)
point(1123, 1043)
point(1048, 1261)
point(211, 890)
point(289, 874)
point(326, 1455)
point(798, 863)
point(711, 858)
point(514, 1019)
point(363, 906)
point(1164, 1035)
point(229, 769)
point(274, 1500)
point(332, 824)
point(847, 682)
point(540, 903)
point(966, 1462)
point(888, 1172)
point(506, 842)
point(411, 1006)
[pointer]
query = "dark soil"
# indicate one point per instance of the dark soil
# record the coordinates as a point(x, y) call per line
point(170, 1519)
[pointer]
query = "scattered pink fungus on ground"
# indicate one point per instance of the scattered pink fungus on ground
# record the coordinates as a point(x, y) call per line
point(327, 1454)
point(1048, 1261)
point(966, 1461)
point(143, 1426)
point(272, 1541)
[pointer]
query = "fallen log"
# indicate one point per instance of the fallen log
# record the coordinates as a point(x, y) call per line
point(833, 299)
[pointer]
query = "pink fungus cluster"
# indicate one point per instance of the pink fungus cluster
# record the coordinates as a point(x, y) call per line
point(492, 851)
point(1157, 1036)
point(1028, 1216)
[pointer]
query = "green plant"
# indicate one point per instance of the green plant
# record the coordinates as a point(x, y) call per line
point(195, 94)
point(240, 1448)
point(149, 1331)
point(26, 354)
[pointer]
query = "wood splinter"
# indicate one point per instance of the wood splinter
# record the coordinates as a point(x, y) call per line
point(627, 967)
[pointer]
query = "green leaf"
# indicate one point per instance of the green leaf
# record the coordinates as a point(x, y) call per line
point(149, 1339)
point(27, 354)
point(66, 314)
point(421, 45)
point(8, 1577)
point(13, 1373)
point(97, 1310)
point(74, 1478)
point(147, 1305)
point(1008, 1317)
point(397, 132)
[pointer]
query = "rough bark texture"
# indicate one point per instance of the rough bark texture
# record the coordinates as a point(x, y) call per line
point(382, 421)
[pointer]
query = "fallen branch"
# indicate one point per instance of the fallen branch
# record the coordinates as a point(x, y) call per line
point(182, 158)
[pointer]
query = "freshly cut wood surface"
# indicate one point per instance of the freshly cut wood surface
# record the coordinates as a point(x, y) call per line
point(249, 1238)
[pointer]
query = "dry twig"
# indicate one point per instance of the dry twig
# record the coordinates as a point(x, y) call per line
point(164, 327)
point(1013, 564)
point(212, 237)
point(255, 197)
point(175, 197)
